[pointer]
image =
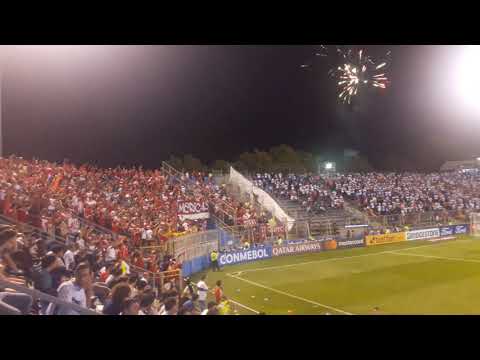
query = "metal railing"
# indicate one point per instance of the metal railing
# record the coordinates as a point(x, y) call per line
point(28, 228)
point(194, 245)
point(99, 228)
point(157, 279)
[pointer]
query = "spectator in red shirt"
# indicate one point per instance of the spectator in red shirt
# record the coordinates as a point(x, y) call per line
point(218, 291)
point(123, 252)
point(137, 260)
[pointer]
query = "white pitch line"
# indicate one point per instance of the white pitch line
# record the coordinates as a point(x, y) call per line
point(330, 259)
point(290, 295)
point(244, 306)
point(435, 257)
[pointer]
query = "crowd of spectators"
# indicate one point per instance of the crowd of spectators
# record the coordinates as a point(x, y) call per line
point(95, 283)
point(228, 209)
point(378, 193)
point(140, 204)
point(307, 190)
point(407, 193)
point(97, 220)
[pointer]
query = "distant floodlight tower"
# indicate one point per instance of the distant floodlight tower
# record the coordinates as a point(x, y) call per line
point(327, 167)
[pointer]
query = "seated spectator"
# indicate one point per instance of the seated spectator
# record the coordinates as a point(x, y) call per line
point(77, 291)
point(147, 300)
point(131, 306)
point(114, 303)
point(11, 303)
point(170, 306)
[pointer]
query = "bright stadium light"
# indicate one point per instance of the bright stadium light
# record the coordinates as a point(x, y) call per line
point(56, 61)
point(468, 76)
point(328, 166)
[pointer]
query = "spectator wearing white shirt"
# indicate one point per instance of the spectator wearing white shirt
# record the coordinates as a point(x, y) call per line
point(148, 234)
point(111, 254)
point(77, 291)
point(202, 291)
point(69, 258)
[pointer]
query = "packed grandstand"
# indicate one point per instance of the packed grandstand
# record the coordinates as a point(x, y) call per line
point(108, 241)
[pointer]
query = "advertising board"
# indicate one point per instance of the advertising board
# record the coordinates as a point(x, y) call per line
point(293, 249)
point(384, 238)
point(242, 256)
point(423, 234)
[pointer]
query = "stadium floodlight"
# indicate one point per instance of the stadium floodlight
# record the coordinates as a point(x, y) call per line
point(468, 76)
point(59, 57)
point(328, 166)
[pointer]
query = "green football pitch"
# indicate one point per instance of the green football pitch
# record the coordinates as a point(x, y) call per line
point(419, 277)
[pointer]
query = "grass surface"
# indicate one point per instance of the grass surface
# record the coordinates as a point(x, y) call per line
point(417, 277)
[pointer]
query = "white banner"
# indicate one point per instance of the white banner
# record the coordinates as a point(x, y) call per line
point(264, 199)
point(193, 210)
point(423, 234)
point(250, 222)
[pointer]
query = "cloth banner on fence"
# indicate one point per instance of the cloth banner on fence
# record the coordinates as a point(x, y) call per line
point(263, 198)
point(384, 238)
point(188, 210)
point(277, 230)
point(250, 222)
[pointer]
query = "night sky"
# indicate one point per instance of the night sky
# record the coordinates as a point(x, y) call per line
point(141, 104)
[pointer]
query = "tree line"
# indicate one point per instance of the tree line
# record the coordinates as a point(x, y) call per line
point(281, 158)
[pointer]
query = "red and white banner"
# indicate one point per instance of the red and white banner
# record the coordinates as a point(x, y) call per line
point(278, 230)
point(250, 222)
point(188, 210)
point(263, 231)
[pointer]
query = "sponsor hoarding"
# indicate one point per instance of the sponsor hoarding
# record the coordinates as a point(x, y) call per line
point(423, 234)
point(350, 243)
point(245, 256)
point(461, 229)
point(292, 249)
point(447, 230)
point(454, 230)
point(384, 238)
point(330, 245)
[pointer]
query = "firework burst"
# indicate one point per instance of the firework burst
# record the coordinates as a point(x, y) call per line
point(354, 70)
